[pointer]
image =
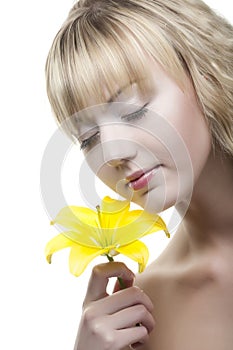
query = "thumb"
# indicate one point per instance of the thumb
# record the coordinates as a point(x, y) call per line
point(100, 276)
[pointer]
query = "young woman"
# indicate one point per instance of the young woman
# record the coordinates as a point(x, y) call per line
point(146, 87)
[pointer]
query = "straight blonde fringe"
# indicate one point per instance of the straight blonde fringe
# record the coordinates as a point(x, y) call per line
point(103, 44)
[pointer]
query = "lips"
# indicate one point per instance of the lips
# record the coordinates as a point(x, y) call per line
point(140, 179)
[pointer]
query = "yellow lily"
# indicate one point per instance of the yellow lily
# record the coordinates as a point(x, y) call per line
point(110, 230)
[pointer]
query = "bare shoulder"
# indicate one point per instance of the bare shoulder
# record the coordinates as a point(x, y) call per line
point(154, 280)
point(193, 306)
point(151, 276)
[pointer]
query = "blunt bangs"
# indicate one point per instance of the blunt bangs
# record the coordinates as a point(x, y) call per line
point(88, 61)
point(86, 67)
point(104, 45)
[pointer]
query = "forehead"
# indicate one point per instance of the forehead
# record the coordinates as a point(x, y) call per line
point(127, 91)
point(116, 100)
point(123, 96)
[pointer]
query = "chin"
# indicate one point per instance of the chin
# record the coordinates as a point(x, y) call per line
point(161, 198)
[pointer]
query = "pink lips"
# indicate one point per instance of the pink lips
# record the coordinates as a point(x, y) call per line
point(140, 178)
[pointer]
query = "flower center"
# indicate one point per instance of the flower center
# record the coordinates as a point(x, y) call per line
point(113, 252)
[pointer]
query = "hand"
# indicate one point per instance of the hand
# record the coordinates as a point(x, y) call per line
point(109, 321)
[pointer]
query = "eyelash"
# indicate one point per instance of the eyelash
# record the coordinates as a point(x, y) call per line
point(136, 115)
point(88, 142)
point(132, 116)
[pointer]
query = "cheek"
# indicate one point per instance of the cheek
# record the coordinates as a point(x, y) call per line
point(98, 169)
point(199, 146)
point(95, 161)
point(196, 136)
point(107, 175)
point(183, 114)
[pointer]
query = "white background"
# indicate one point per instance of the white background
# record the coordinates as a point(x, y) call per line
point(40, 304)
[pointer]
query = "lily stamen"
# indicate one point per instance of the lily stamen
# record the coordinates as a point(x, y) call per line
point(110, 230)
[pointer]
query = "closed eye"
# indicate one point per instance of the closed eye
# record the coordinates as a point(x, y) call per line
point(89, 141)
point(136, 115)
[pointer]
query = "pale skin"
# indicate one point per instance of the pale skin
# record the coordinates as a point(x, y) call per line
point(183, 300)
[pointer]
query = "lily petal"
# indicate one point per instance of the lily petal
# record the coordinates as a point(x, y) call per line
point(74, 218)
point(84, 225)
point(112, 212)
point(110, 205)
point(138, 224)
point(137, 251)
point(57, 243)
point(112, 227)
point(81, 256)
point(91, 238)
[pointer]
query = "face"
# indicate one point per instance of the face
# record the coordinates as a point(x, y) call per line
point(152, 149)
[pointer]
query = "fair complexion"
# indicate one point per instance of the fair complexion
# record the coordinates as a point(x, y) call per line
point(190, 284)
point(156, 133)
point(109, 321)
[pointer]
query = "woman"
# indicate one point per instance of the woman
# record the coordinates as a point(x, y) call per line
point(146, 87)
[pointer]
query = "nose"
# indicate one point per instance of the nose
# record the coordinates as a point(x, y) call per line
point(117, 145)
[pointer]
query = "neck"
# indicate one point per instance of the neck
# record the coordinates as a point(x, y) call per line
point(209, 219)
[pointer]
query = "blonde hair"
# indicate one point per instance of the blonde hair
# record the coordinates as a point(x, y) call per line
point(102, 44)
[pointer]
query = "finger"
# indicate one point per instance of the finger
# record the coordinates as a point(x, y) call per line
point(131, 316)
point(134, 335)
point(126, 284)
point(99, 279)
point(137, 345)
point(124, 299)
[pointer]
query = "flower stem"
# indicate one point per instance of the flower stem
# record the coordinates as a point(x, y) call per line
point(120, 280)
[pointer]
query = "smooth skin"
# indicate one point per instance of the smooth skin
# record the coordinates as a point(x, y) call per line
point(109, 322)
point(184, 299)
